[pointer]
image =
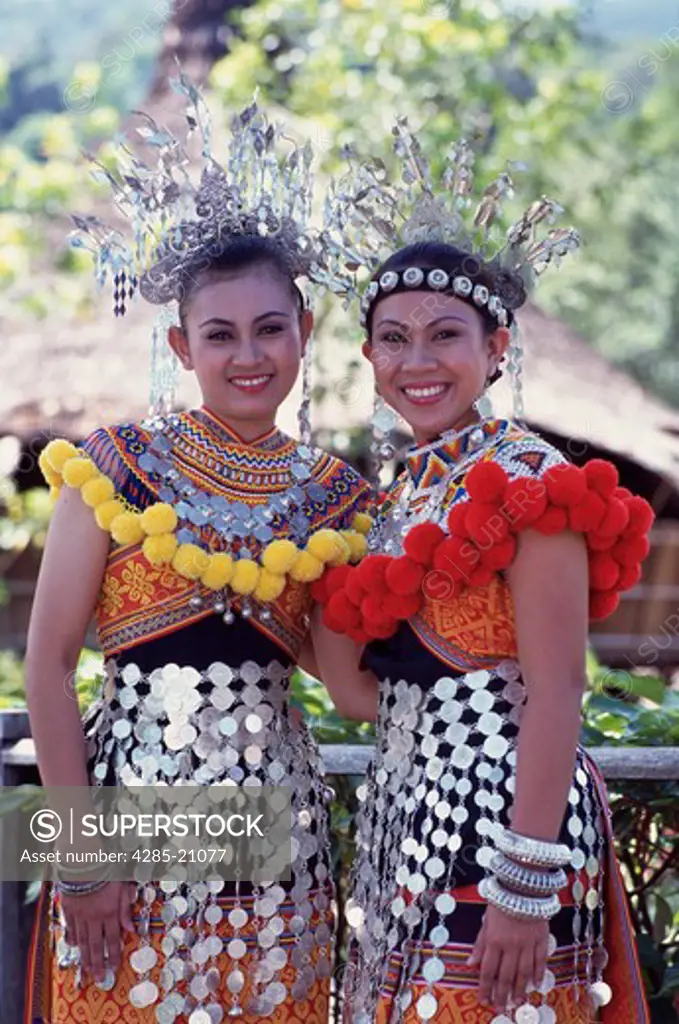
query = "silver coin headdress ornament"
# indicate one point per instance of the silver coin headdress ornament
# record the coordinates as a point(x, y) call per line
point(369, 217)
point(172, 226)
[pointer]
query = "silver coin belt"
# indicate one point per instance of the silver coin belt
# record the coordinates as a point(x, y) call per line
point(437, 795)
point(226, 722)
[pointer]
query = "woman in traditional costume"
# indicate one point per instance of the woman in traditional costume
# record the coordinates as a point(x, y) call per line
point(485, 887)
point(196, 535)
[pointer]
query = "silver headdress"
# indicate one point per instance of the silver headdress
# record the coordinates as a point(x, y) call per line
point(368, 218)
point(175, 227)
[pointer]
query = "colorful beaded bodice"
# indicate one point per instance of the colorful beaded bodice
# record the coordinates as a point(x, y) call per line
point(196, 509)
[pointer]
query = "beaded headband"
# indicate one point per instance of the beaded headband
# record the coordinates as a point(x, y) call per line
point(368, 218)
point(436, 280)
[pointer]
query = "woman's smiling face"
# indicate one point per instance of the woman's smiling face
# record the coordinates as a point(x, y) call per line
point(432, 355)
point(244, 337)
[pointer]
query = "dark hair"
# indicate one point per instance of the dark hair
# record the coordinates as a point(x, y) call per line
point(431, 255)
point(231, 257)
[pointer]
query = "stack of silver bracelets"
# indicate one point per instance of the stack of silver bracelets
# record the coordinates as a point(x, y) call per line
point(82, 888)
point(527, 875)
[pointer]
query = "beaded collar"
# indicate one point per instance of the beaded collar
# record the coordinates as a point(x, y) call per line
point(420, 492)
point(427, 464)
point(273, 468)
point(270, 441)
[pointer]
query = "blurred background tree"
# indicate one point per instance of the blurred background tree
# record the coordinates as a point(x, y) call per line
point(592, 123)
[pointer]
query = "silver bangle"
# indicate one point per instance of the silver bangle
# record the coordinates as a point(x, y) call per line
point(526, 881)
point(84, 886)
point(536, 852)
point(76, 869)
point(529, 908)
point(81, 888)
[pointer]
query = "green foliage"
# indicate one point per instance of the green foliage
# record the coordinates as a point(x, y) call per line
point(43, 179)
point(4, 76)
point(23, 516)
point(624, 708)
point(511, 79)
point(88, 679)
point(23, 521)
point(622, 291)
point(43, 176)
point(44, 40)
point(312, 699)
point(12, 691)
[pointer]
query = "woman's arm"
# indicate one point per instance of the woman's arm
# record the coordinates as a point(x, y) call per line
point(70, 578)
point(353, 691)
point(549, 586)
point(549, 583)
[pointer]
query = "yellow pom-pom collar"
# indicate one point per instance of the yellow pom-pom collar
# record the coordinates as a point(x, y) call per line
point(358, 545)
point(78, 471)
point(307, 568)
point(219, 571)
point(126, 528)
point(98, 491)
point(245, 577)
point(269, 586)
point(161, 549)
point(154, 528)
point(328, 546)
point(190, 561)
point(51, 476)
point(279, 556)
point(362, 523)
point(57, 452)
point(107, 511)
point(158, 518)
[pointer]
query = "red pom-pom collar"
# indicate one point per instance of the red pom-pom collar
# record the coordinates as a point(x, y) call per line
point(369, 600)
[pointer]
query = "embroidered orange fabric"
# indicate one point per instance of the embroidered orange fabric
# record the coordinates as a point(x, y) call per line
point(52, 997)
point(473, 630)
point(139, 602)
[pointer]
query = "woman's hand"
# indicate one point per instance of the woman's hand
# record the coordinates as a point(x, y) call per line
point(99, 918)
point(512, 954)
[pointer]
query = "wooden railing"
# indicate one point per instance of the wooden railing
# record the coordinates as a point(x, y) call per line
point(18, 766)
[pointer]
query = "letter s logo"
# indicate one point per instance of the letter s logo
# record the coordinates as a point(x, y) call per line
point(45, 826)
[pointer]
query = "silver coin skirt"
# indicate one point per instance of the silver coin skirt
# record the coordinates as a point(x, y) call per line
point(439, 788)
point(178, 724)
